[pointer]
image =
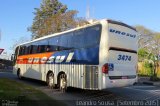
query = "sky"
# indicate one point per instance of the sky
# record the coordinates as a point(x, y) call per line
point(17, 15)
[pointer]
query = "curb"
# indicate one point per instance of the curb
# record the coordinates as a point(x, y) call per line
point(148, 83)
point(152, 83)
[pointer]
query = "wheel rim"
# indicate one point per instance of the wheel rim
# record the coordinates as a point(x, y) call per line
point(51, 81)
point(62, 83)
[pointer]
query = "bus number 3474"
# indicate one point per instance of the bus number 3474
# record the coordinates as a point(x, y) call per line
point(124, 57)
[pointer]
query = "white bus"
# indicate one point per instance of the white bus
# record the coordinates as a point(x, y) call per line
point(96, 56)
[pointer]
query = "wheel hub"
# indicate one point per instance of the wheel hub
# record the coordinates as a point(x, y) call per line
point(50, 81)
point(63, 83)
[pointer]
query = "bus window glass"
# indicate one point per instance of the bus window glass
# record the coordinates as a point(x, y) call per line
point(16, 50)
point(34, 47)
point(86, 38)
point(70, 40)
point(42, 45)
point(63, 42)
point(20, 51)
point(53, 43)
point(23, 50)
point(78, 39)
point(92, 37)
point(29, 49)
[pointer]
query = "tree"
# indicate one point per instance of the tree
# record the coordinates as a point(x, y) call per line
point(52, 17)
point(142, 54)
point(156, 51)
point(149, 43)
point(146, 35)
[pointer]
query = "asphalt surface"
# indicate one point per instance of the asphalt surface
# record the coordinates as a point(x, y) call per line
point(150, 95)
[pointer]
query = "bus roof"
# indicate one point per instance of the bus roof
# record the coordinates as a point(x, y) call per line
point(58, 33)
point(81, 27)
point(121, 23)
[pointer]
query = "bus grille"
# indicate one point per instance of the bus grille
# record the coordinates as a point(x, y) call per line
point(91, 77)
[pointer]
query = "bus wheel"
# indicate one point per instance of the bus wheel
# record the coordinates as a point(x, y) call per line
point(19, 74)
point(63, 83)
point(50, 80)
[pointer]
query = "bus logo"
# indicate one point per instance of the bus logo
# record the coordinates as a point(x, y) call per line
point(52, 59)
point(122, 33)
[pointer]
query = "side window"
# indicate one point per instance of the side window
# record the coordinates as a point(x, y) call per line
point(30, 49)
point(42, 45)
point(53, 43)
point(92, 37)
point(27, 49)
point(78, 39)
point(23, 49)
point(34, 47)
point(16, 50)
point(48, 48)
point(20, 51)
point(63, 42)
point(70, 37)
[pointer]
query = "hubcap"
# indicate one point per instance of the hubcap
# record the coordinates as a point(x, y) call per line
point(63, 83)
point(50, 81)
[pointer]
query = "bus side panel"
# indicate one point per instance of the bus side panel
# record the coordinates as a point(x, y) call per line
point(77, 73)
point(74, 74)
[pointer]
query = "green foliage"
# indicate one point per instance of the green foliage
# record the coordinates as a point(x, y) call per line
point(146, 69)
point(147, 60)
point(24, 94)
point(142, 54)
point(149, 43)
point(149, 68)
point(143, 30)
point(157, 36)
point(52, 17)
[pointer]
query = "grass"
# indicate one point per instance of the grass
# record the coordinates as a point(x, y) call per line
point(24, 95)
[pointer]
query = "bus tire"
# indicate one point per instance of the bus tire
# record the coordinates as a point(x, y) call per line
point(63, 83)
point(19, 74)
point(50, 80)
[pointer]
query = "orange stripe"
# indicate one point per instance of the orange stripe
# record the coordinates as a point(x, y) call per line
point(24, 59)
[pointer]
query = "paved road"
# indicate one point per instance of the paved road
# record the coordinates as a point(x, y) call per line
point(137, 92)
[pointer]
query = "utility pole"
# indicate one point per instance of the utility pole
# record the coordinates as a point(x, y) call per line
point(88, 17)
point(88, 13)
